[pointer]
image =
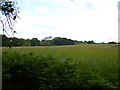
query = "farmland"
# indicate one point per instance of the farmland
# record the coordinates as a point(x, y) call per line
point(70, 66)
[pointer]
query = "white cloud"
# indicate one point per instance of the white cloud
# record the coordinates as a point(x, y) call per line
point(73, 20)
point(42, 10)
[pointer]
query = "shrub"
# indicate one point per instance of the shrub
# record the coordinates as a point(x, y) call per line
point(30, 72)
point(35, 72)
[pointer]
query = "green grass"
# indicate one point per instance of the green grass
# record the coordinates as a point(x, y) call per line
point(74, 66)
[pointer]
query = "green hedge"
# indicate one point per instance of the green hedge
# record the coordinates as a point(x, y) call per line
point(44, 72)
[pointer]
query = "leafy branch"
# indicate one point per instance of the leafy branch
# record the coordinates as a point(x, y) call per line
point(10, 11)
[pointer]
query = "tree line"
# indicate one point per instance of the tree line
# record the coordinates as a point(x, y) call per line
point(47, 41)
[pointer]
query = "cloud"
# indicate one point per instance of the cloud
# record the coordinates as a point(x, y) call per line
point(78, 20)
point(89, 6)
point(42, 10)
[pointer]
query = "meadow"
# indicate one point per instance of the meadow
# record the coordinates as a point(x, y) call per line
point(71, 66)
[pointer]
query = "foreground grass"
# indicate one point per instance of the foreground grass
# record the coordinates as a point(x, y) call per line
point(76, 67)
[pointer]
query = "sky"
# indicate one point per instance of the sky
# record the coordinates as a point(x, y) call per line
point(80, 20)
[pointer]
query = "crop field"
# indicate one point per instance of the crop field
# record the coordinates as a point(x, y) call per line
point(73, 66)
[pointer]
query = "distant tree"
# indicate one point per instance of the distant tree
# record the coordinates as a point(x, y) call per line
point(112, 42)
point(103, 43)
point(62, 41)
point(18, 42)
point(27, 42)
point(85, 41)
point(47, 41)
point(5, 40)
point(48, 38)
point(35, 42)
point(91, 42)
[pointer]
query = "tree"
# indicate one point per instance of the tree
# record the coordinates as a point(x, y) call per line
point(9, 13)
point(62, 41)
point(27, 42)
point(48, 38)
point(35, 42)
point(112, 42)
point(91, 42)
point(5, 40)
point(47, 41)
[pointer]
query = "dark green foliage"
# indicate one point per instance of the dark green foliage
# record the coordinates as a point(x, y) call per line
point(5, 40)
point(30, 72)
point(112, 42)
point(35, 42)
point(16, 72)
point(85, 42)
point(15, 41)
point(62, 41)
point(7, 7)
point(90, 80)
point(35, 72)
point(91, 42)
point(46, 43)
point(19, 41)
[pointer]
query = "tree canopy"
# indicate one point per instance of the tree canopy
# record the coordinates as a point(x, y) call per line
point(45, 42)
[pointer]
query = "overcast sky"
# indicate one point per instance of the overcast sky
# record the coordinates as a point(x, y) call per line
point(75, 19)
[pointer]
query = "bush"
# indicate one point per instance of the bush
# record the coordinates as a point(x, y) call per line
point(31, 72)
point(35, 72)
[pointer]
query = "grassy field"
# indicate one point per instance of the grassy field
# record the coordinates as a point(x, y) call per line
point(73, 66)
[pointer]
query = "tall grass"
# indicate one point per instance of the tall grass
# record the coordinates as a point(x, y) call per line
point(76, 67)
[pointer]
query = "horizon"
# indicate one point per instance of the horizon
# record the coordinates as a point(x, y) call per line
point(60, 37)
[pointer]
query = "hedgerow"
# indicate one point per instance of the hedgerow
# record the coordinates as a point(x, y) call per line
point(43, 72)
